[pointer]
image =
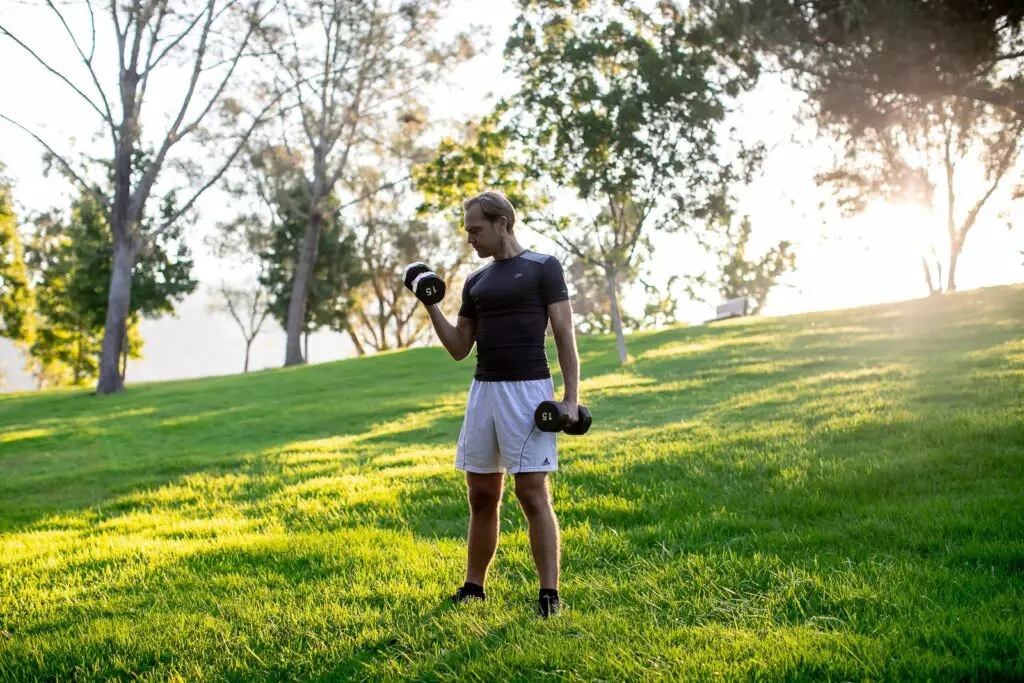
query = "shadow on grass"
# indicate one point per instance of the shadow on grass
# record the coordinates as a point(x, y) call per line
point(67, 452)
point(63, 452)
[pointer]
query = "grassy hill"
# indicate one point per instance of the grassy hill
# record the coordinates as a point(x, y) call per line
point(828, 496)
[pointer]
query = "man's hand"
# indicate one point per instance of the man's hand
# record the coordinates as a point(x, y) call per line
point(572, 408)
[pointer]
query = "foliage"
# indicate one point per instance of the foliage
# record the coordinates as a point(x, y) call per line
point(385, 315)
point(911, 88)
point(337, 270)
point(16, 300)
point(740, 274)
point(857, 59)
point(344, 69)
point(949, 156)
point(478, 159)
point(71, 259)
point(619, 103)
point(112, 76)
point(753, 278)
point(591, 305)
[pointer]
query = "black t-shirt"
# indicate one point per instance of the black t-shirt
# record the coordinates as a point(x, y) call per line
point(509, 300)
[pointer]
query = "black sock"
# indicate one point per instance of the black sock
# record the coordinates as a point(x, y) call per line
point(473, 589)
point(549, 592)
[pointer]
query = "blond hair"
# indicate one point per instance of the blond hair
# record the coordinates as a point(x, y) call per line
point(493, 205)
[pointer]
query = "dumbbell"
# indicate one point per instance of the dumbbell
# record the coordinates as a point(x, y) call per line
point(424, 283)
point(551, 416)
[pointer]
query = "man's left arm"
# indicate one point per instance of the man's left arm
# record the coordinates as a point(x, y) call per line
point(560, 314)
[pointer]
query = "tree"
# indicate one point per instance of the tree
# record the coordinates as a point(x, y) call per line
point(385, 315)
point(249, 308)
point(624, 106)
point(70, 258)
point(846, 55)
point(336, 272)
point(591, 307)
point(16, 301)
point(949, 156)
point(926, 97)
point(751, 278)
point(662, 307)
point(347, 66)
point(151, 37)
point(479, 158)
point(739, 274)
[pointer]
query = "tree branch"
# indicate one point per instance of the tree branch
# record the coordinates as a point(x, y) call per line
point(172, 135)
point(87, 60)
point(63, 162)
point(220, 89)
point(151, 64)
point(1012, 151)
point(217, 175)
point(40, 60)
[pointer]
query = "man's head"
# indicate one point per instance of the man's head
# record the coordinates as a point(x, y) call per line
point(489, 219)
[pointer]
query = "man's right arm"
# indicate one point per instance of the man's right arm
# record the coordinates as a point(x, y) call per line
point(457, 339)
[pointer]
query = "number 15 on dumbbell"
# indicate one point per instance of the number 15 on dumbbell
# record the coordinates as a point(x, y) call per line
point(424, 283)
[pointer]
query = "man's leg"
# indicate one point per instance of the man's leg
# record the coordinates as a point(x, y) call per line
point(484, 502)
point(535, 499)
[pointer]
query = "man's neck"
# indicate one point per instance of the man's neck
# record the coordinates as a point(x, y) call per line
point(509, 248)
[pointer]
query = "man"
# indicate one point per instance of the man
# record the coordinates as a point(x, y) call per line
point(505, 310)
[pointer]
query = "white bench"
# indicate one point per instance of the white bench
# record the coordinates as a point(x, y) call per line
point(732, 308)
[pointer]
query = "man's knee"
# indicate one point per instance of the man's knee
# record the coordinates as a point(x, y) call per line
point(484, 495)
point(532, 492)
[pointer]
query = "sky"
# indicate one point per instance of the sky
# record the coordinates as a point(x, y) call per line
point(840, 263)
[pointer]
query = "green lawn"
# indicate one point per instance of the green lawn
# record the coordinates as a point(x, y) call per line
point(837, 496)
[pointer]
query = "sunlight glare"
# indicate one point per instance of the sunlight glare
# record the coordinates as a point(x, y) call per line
point(911, 229)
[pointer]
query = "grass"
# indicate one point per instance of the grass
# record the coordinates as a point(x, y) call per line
point(837, 496)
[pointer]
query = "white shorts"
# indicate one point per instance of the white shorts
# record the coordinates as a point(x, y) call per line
point(498, 434)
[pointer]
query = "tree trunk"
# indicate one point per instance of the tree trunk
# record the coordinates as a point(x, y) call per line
point(928, 275)
point(613, 299)
point(955, 247)
point(248, 345)
point(118, 302)
point(80, 359)
point(124, 355)
point(300, 288)
point(382, 324)
point(360, 350)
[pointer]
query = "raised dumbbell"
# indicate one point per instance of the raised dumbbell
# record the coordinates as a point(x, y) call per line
point(551, 416)
point(424, 283)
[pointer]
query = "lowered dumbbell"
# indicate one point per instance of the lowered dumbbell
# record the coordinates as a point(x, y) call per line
point(424, 283)
point(551, 416)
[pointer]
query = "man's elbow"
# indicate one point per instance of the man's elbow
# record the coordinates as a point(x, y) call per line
point(462, 353)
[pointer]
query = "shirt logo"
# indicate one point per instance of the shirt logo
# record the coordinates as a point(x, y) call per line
point(517, 275)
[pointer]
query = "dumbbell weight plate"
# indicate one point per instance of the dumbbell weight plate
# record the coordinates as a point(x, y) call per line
point(549, 416)
point(582, 425)
point(412, 271)
point(429, 288)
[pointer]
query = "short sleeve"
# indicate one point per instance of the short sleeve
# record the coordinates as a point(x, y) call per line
point(552, 282)
point(467, 310)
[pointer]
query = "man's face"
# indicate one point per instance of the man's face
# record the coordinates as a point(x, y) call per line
point(483, 235)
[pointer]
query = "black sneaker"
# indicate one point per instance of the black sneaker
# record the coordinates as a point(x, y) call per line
point(548, 605)
point(464, 595)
